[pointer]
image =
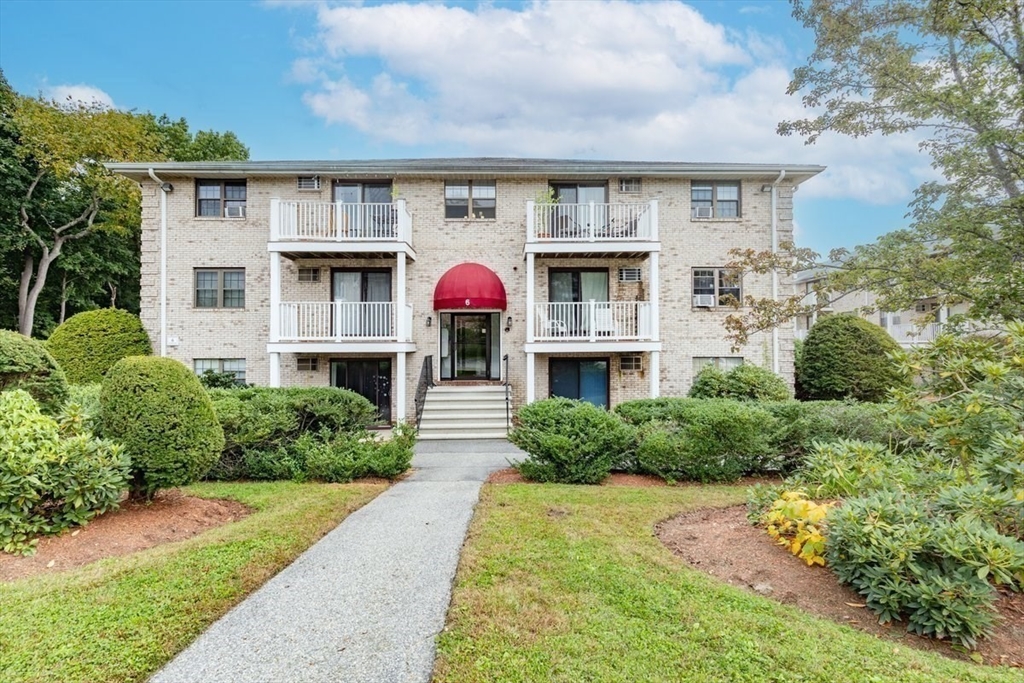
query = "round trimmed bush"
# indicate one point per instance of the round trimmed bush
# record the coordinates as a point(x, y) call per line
point(88, 344)
point(847, 357)
point(570, 442)
point(26, 364)
point(158, 409)
point(742, 383)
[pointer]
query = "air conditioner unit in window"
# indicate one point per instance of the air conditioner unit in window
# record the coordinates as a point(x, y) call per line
point(704, 300)
point(704, 212)
point(234, 212)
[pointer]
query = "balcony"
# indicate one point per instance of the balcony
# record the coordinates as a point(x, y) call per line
point(592, 228)
point(600, 326)
point(338, 326)
point(302, 228)
point(909, 334)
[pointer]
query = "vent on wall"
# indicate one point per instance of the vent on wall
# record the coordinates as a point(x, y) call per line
point(629, 275)
point(309, 182)
point(309, 275)
point(631, 363)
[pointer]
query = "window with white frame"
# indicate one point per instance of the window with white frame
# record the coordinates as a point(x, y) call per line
point(470, 199)
point(307, 364)
point(309, 275)
point(724, 363)
point(715, 199)
point(233, 366)
point(629, 185)
point(716, 287)
point(220, 288)
point(220, 198)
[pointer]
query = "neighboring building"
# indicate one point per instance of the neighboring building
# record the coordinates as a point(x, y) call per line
point(596, 280)
point(909, 328)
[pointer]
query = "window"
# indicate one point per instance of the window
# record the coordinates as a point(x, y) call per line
point(724, 363)
point(220, 198)
point(885, 319)
point(234, 366)
point(308, 182)
point(629, 185)
point(629, 275)
point(715, 199)
point(631, 363)
point(716, 287)
point(220, 288)
point(309, 364)
point(309, 275)
point(469, 199)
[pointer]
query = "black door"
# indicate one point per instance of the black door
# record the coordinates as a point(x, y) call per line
point(368, 377)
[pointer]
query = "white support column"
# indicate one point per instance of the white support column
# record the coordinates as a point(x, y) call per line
point(275, 297)
point(655, 371)
point(275, 369)
point(531, 308)
point(531, 377)
point(402, 334)
point(655, 290)
point(400, 381)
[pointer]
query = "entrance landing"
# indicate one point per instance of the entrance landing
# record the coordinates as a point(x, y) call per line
point(367, 601)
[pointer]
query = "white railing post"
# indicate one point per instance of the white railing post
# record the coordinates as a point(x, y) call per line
point(654, 220)
point(275, 296)
point(592, 320)
point(275, 220)
point(400, 332)
point(531, 221)
point(592, 222)
point(531, 310)
point(655, 292)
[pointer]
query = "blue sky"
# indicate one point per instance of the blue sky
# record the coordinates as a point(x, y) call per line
point(696, 81)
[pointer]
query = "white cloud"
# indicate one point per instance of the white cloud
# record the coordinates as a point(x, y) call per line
point(85, 94)
point(613, 79)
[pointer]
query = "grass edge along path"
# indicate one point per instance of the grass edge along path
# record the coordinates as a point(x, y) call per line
point(121, 619)
point(569, 583)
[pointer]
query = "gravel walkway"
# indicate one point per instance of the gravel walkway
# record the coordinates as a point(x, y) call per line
point(366, 602)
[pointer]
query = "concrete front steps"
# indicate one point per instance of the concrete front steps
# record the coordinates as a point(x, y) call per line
point(464, 412)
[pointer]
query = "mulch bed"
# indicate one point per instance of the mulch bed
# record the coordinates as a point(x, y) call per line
point(721, 542)
point(172, 516)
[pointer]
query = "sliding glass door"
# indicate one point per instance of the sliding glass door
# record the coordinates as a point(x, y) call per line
point(570, 292)
point(362, 303)
point(582, 379)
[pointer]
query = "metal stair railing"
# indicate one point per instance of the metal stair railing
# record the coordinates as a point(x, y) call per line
point(426, 381)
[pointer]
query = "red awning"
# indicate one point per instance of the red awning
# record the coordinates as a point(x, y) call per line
point(469, 285)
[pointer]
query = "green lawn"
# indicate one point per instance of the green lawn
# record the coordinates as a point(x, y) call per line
point(563, 583)
point(121, 619)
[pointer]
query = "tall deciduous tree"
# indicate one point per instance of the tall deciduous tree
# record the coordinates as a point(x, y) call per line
point(952, 71)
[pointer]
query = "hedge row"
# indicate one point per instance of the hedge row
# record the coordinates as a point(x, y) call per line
point(88, 344)
point(707, 440)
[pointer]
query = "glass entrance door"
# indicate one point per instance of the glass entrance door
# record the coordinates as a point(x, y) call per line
point(470, 346)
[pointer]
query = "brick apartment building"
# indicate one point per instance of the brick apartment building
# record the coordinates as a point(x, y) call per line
point(451, 283)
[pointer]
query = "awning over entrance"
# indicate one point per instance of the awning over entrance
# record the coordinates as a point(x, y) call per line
point(469, 285)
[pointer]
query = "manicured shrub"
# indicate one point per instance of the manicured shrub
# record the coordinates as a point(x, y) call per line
point(259, 421)
point(803, 423)
point(570, 442)
point(798, 524)
point(708, 440)
point(88, 344)
point(845, 356)
point(644, 410)
point(218, 380)
point(158, 409)
point(742, 383)
point(26, 364)
point(912, 562)
point(83, 406)
point(847, 468)
point(51, 477)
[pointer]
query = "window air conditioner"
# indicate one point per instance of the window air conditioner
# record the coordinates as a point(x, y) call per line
point(704, 212)
point(704, 300)
point(234, 212)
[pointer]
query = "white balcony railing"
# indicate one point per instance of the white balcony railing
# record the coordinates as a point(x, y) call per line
point(341, 321)
point(340, 222)
point(909, 333)
point(591, 222)
point(593, 321)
